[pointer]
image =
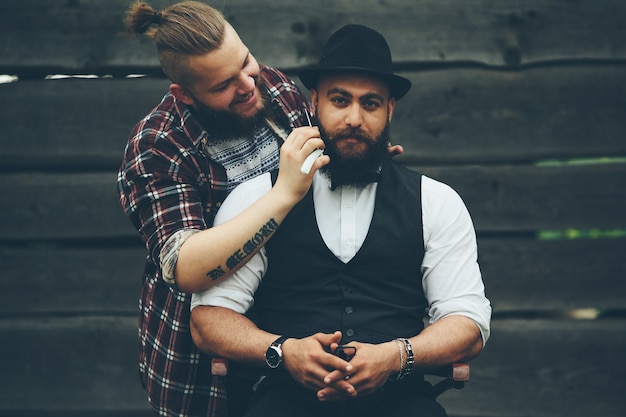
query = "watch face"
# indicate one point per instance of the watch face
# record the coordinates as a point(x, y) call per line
point(273, 357)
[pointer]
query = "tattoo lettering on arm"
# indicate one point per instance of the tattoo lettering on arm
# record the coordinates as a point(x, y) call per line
point(216, 273)
point(235, 259)
point(258, 239)
point(249, 247)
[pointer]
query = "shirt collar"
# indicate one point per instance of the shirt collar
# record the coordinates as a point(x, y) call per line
point(189, 125)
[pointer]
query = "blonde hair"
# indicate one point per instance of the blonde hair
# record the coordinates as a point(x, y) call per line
point(185, 29)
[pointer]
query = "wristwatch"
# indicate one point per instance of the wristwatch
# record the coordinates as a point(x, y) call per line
point(274, 353)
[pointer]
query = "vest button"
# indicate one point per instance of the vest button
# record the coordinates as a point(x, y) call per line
point(349, 332)
point(349, 310)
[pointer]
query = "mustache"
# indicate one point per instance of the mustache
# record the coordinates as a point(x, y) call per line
point(346, 133)
point(351, 133)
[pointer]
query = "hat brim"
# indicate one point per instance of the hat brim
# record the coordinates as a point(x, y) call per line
point(398, 86)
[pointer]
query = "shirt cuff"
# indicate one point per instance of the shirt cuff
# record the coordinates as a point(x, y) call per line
point(476, 308)
point(169, 253)
point(237, 301)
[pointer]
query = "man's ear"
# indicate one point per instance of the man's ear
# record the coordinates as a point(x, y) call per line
point(182, 94)
point(391, 106)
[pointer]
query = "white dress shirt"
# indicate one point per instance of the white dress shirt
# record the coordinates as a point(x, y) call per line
point(451, 279)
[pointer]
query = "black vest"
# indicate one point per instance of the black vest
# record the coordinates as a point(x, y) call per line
point(375, 297)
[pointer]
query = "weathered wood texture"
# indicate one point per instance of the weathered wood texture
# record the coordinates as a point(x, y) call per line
point(455, 115)
point(521, 275)
point(546, 368)
point(70, 363)
point(80, 124)
point(502, 198)
point(70, 281)
point(88, 34)
point(540, 368)
point(500, 88)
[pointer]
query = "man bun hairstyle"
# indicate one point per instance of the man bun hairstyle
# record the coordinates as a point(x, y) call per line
point(188, 28)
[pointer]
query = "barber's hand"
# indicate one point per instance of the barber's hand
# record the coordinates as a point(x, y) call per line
point(308, 362)
point(300, 143)
point(395, 150)
point(372, 365)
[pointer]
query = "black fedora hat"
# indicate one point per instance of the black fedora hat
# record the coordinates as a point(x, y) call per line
point(357, 48)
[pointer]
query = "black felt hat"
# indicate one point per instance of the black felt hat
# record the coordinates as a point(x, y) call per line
point(357, 48)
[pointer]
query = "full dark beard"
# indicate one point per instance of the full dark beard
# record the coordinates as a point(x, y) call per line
point(229, 125)
point(358, 171)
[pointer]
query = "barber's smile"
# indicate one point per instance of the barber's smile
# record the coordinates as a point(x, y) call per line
point(248, 100)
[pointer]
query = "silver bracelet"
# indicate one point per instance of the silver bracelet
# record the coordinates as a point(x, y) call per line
point(401, 348)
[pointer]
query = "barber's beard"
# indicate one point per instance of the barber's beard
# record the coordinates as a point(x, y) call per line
point(355, 170)
point(228, 124)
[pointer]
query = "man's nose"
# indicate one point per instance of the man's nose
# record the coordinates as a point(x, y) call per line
point(245, 84)
point(353, 116)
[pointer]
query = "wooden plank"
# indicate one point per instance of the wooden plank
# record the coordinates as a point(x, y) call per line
point(80, 124)
point(532, 198)
point(86, 35)
point(535, 276)
point(58, 206)
point(70, 364)
point(500, 33)
point(521, 276)
point(451, 116)
point(540, 368)
point(540, 113)
point(70, 281)
point(500, 199)
point(547, 369)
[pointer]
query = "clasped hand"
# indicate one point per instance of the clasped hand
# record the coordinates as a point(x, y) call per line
point(310, 362)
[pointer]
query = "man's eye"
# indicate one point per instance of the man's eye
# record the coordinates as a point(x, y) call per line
point(220, 88)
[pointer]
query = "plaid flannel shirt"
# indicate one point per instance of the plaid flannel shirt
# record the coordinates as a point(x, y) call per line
point(167, 183)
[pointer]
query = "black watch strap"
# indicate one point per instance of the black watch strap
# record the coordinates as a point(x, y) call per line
point(274, 353)
point(279, 341)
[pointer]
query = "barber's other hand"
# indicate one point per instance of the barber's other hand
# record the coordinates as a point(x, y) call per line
point(395, 150)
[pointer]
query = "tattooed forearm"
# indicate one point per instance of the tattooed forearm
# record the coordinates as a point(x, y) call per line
point(249, 247)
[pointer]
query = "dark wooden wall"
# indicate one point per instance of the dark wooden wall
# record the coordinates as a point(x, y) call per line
point(520, 106)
